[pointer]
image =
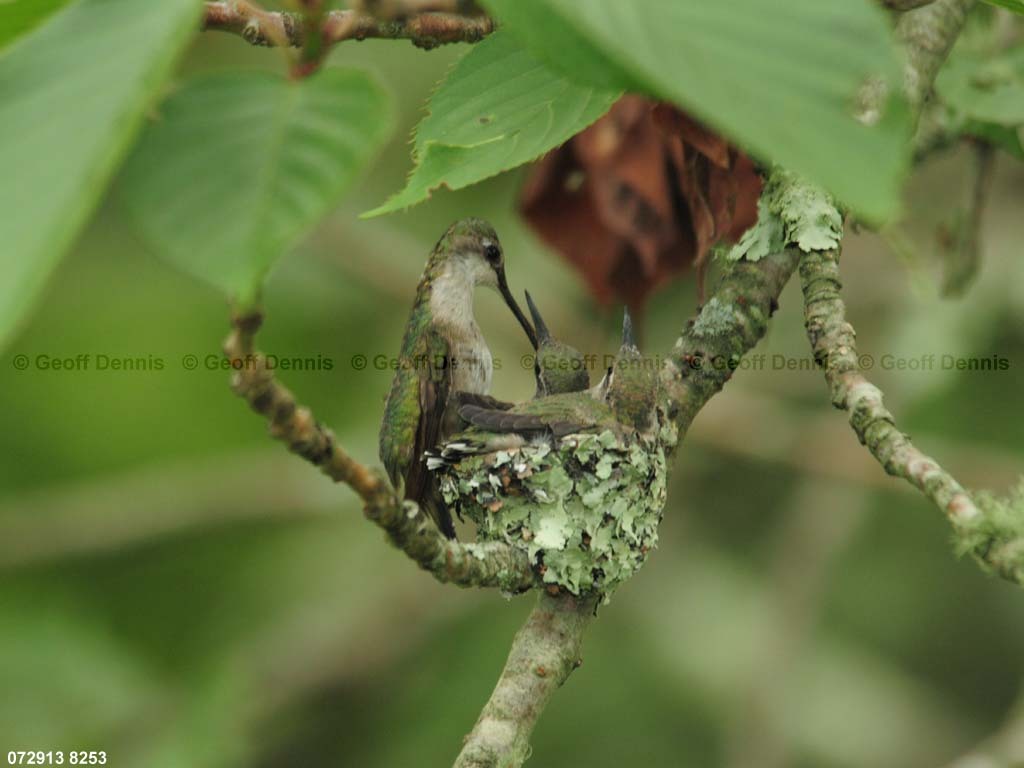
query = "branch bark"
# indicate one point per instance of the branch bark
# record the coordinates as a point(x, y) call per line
point(280, 28)
point(544, 653)
point(928, 34)
point(397, 9)
point(991, 534)
point(963, 259)
point(835, 348)
point(728, 326)
point(490, 564)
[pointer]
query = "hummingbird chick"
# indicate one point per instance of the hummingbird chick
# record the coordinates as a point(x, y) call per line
point(443, 355)
point(575, 480)
point(558, 369)
point(623, 402)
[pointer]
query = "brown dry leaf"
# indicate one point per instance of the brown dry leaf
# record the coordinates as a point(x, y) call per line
point(638, 197)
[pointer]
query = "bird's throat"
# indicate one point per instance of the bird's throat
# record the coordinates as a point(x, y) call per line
point(451, 308)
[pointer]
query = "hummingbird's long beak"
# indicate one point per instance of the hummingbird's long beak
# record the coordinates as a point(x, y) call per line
point(510, 300)
point(543, 334)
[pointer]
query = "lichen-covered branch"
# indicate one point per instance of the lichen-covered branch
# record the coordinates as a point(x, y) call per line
point(279, 28)
point(544, 653)
point(492, 564)
point(728, 326)
point(835, 348)
point(993, 529)
point(928, 34)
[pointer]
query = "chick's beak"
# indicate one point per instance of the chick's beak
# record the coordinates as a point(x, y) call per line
point(543, 334)
point(510, 300)
point(628, 339)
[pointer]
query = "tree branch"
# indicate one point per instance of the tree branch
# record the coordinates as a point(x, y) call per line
point(397, 9)
point(490, 564)
point(544, 653)
point(727, 327)
point(964, 256)
point(279, 28)
point(928, 34)
point(992, 530)
point(835, 348)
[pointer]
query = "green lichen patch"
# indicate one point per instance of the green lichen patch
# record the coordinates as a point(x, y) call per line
point(791, 211)
point(585, 511)
point(810, 218)
point(766, 236)
point(996, 536)
point(716, 319)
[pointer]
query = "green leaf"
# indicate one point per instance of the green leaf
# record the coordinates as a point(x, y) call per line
point(1017, 6)
point(19, 16)
point(985, 88)
point(781, 80)
point(241, 164)
point(74, 92)
point(984, 95)
point(1009, 139)
point(500, 107)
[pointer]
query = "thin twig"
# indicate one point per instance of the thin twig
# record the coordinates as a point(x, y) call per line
point(992, 530)
point(274, 28)
point(964, 256)
point(928, 34)
point(397, 9)
point(544, 653)
point(314, 46)
point(833, 341)
point(490, 564)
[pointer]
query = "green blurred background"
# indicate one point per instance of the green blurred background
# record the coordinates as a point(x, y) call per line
point(178, 590)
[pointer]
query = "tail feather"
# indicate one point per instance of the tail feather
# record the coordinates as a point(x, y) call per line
point(451, 453)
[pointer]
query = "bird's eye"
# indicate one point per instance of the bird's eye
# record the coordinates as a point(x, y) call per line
point(492, 253)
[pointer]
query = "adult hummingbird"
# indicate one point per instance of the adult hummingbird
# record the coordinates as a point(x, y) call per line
point(444, 356)
point(558, 369)
point(576, 481)
point(623, 402)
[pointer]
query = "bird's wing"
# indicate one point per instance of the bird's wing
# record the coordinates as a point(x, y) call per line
point(492, 420)
point(496, 420)
point(482, 401)
point(434, 370)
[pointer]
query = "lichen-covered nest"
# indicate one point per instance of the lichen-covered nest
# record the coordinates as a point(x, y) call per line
point(586, 511)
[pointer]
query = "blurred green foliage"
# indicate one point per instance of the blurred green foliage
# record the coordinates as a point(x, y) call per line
point(179, 591)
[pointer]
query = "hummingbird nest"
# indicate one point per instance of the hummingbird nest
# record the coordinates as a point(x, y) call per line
point(585, 511)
